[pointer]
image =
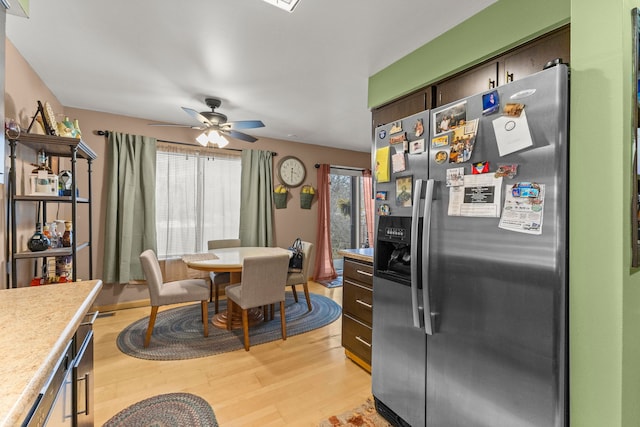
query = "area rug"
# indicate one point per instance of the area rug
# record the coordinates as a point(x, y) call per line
point(177, 334)
point(363, 415)
point(166, 410)
point(335, 283)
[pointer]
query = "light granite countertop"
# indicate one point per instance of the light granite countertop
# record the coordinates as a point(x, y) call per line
point(37, 324)
point(362, 254)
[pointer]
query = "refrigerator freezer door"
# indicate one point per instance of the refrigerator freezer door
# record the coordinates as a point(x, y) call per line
point(398, 353)
point(499, 355)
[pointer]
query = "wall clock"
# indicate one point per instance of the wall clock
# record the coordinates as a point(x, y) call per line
point(291, 171)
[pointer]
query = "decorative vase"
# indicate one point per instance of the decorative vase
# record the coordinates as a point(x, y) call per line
point(38, 242)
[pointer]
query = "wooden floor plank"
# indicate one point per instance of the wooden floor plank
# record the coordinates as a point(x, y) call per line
point(297, 382)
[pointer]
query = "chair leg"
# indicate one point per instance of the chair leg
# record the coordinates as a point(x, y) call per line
point(152, 321)
point(217, 296)
point(245, 328)
point(295, 293)
point(283, 321)
point(306, 295)
point(205, 316)
point(229, 313)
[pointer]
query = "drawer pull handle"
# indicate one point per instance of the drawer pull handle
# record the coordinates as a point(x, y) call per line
point(359, 301)
point(366, 273)
point(363, 341)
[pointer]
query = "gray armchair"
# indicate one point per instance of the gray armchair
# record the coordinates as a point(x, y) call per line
point(179, 291)
point(301, 278)
point(220, 279)
point(261, 286)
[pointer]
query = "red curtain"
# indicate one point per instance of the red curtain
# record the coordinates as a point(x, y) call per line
point(369, 203)
point(324, 269)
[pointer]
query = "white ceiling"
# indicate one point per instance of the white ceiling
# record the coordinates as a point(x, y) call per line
point(304, 74)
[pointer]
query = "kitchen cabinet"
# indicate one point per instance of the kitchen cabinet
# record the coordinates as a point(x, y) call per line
point(60, 147)
point(533, 56)
point(403, 107)
point(357, 310)
point(506, 67)
point(478, 79)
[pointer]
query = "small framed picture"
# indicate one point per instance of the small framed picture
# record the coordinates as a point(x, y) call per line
point(404, 186)
point(381, 195)
point(416, 146)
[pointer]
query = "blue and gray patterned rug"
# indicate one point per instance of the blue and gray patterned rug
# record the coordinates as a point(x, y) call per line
point(167, 410)
point(177, 334)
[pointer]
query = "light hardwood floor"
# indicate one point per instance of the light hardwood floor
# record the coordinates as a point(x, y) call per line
point(297, 382)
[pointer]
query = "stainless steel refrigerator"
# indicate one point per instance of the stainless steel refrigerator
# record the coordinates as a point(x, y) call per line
point(470, 286)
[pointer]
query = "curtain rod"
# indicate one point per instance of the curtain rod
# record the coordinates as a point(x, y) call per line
point(347, 168)
point(106, 133)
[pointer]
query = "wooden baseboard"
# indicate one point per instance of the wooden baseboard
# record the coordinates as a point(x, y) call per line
point(358, 361)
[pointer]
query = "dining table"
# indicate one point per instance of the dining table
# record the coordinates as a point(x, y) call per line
point(230, 260)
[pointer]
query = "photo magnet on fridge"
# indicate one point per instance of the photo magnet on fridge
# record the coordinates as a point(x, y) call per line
point(490, 103)
point(418, 128)
point(396, 127)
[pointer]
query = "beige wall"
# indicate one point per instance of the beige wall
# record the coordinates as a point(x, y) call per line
point(24, 88)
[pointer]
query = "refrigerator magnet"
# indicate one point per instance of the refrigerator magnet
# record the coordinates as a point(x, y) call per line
point(441, 157)
point(384, 210)
point(507, 171)
point(455, 177)
point(396, 127)
point(416, 146)
point(418, 128)
point(490, 103)
point(398, 138)
point(381, 195)
point(404, 186)
point(382, 134)
point(450, 118)
point(480, 167)
point(440, 141)
point(513, 109)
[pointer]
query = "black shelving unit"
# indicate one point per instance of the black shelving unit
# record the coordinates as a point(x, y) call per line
point(59, 147)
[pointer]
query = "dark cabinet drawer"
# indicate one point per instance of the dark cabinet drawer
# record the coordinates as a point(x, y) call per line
point(356, 337)
point(358, 271)
point(357, 301)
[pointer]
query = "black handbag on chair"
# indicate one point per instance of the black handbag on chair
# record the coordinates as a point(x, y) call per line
point(295, 262)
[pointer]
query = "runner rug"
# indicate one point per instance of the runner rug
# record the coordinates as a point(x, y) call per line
point(166, 410)
point(177, 334)
point(363, 415)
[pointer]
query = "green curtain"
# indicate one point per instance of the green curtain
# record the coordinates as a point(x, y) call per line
point(131, 205)
point(256, 211)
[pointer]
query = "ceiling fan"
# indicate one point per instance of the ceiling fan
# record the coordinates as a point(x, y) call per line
point(215, 125)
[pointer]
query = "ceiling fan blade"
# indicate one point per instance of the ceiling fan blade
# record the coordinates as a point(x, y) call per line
point(243, 124)
point(238, 135)
point(199, 117)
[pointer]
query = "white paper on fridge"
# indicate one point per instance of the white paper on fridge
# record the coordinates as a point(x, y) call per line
point(479, 196)
point(523, 214)
point(512, 133)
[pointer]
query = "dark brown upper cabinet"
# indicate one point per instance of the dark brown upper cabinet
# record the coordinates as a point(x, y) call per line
point(477, 79)
point(533, 56)
point(403, 107)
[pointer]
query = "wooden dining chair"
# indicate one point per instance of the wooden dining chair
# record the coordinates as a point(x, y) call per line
point(178, 291)
point(261, 286)
point(302, 277)
point(220, 279)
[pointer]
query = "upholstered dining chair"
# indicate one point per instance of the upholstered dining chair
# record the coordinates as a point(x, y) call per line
point(261, 286)
point(301, 278)
point(220, 279)
point(167, 293)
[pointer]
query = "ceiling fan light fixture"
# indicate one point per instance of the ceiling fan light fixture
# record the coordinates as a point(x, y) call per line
point(217, 139)
point(203, 139)
point(287, 5)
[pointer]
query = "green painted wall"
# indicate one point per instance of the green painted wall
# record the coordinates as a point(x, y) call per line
point(604, 289)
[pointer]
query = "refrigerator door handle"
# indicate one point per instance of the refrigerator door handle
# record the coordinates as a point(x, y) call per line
point(415, 218)
point(426, 232)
